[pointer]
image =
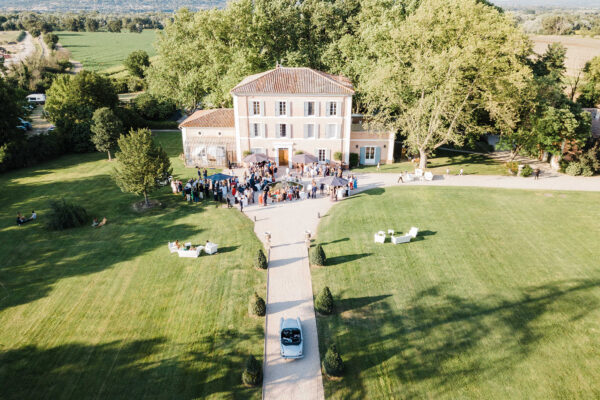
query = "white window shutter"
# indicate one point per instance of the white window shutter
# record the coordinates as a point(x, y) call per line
point(288, 108)
point(317, 128)
point(317, 108)
point(338, 129)
point(277, 131)
point(262, 108)
point(306, 108)
point(262, 130)
point(305, 125)
point(327, 109)
point(276, 108)
point(328, 155)
point(338, 109)
point(288, 130)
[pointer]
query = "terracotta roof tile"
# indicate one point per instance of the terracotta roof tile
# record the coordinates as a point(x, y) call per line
point(217, 118)
point(285, 80)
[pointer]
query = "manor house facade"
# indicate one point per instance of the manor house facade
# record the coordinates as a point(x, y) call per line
point(281, 112)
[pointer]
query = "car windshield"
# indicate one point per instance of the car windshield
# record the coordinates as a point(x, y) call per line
point(290, 336)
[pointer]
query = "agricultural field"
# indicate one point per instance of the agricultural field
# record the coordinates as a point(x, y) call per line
point(110, 313)
point(99, 51)
point(580, 49)
point(497, 298)
point(11, 36)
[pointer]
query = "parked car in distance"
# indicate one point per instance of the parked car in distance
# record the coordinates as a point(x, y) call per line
point(51, 128)
point(22, 128)
point(26, 124)
point(292, 344)
point(37, 98)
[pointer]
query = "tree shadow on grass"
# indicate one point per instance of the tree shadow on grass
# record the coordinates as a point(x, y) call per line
point(35, 258)
point(442, 341)
point(228, 249)
point(151, 368)
point(344, 305)
point(347, 258)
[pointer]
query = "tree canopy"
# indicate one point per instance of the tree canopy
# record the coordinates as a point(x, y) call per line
point(106, 129)
point(71, 102)
point(137, 62)
point(447, 62)
point(140, 163)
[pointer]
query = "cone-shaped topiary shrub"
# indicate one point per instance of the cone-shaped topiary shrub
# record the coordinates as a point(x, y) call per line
point(257, 305)
point(317, 256)
point(260, 261)
point(252, 375)
point(332, 364)
point(324, 301)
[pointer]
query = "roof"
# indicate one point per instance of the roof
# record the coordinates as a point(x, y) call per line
point(595, 121)
point(215, 118)
point(284, 80)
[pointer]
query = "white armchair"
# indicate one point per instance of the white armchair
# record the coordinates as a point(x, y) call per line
point(380, 237)
point(418, 173)
point(428, 176)
point(211, 248)
point(172, 247)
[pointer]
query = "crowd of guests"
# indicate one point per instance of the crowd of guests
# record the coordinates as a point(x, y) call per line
point(255, 185)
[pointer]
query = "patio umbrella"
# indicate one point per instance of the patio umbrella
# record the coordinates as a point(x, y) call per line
point(255, 158)
point(218, 177)
point(334, 181)
point(304, 158)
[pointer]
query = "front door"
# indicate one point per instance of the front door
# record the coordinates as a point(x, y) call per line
point(283, 157)
point(370, 155)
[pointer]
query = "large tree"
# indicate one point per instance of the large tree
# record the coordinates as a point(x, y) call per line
point(137, 62)
point(202, 55)
point(106, 129)
point(439, 70)
point(71, 102)
point(140, 163)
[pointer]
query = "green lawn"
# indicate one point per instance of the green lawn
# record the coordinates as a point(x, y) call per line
point(102, 50)
point(109, 313)
point(498, 298)
point(11, 36)
point(472, 164)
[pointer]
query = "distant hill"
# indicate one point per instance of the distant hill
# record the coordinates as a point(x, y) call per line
point(112, 6)
point(547, 3)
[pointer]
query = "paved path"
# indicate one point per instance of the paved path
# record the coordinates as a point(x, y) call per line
point(289, 284)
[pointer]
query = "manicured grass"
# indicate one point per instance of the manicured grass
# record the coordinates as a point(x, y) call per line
point(472, 164)
point(109, 313)
point(498, 298)
point(102, 50)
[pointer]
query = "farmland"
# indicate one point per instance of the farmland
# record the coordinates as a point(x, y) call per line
point(102, 50)
point(579, 49)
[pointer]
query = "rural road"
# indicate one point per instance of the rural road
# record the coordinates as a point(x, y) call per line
point(289, 284)
point(77, 67)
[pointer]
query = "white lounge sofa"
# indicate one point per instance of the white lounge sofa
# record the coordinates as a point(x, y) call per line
point(428, 176)
point(379, 237)
point(191, 253)
point(211, 248)
point(412, 233)
point(418, 173)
